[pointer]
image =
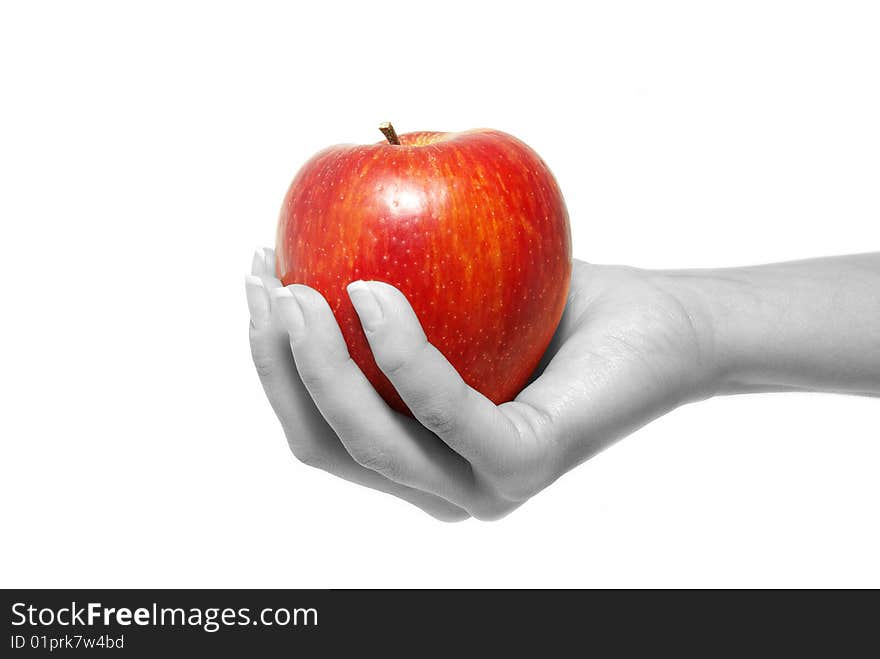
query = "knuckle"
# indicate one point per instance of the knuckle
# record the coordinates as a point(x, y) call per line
point(264, 367)
point(270, 353)
point(439, 409)
point(263, 360)
point(396, 361)
point(392, 365)
point(438, 417)
point(375, 459)
point(519, 489)
point(310, 456)
point(499, 472)
point(505, 474)
point(316, 376)
point(310, 377)
point(519, 481)
point(529, 466)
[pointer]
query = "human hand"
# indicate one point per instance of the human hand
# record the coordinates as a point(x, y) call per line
point(627, 350)
point(311, 439)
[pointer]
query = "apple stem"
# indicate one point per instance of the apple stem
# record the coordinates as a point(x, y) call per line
point(389, 132)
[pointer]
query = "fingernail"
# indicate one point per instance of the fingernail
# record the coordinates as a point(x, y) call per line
point(269, 259)
point(258, 301)
point(258, 263)
point(366, 304)
point(290, 312)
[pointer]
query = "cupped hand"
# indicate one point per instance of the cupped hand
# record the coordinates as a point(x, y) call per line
point(627, 350)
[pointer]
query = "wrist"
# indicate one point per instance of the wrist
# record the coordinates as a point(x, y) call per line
point(803, 326)
point(809, 325)
point(724, 308)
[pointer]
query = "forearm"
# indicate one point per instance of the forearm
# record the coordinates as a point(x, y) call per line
point(806, 325)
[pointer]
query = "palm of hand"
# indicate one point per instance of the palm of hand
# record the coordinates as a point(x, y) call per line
point(625, 352)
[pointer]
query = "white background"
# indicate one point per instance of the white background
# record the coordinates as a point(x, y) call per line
point(144, 152)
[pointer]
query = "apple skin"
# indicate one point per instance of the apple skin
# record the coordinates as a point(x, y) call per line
point(470, 226)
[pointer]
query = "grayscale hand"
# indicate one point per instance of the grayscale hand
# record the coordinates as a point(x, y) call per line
point(632, 345)
point(310, 438)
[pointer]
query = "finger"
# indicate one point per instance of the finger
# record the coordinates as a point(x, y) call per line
point(258, 301)
point(269, 260)
point(375, 435)
point(258, 262)
point(263, 266)
point(429, 385)
point(311, 439)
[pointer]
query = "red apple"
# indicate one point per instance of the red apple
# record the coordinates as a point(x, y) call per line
point(470, 226)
